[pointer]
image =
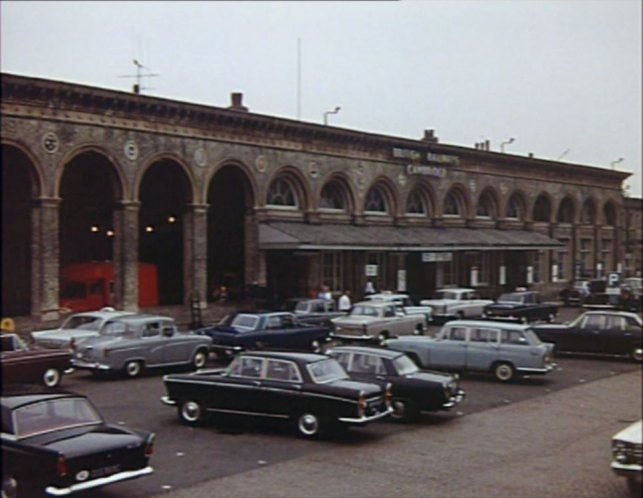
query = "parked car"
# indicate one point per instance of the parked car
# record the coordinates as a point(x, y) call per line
point(456, 303)
point(576, 294)
point(132, 343)
point(627, 456)
point(76, 327)
point(503, 349)
point(523, 306)
point(316, 311)
point(376, 321)
point(311, 391)
point(57, 443)
point(21, 364)
point(405, 302)
point(414, 390)
point(602, 332)
point(269, 330)
point(631, 298)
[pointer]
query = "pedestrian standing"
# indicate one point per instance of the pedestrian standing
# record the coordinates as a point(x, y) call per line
point(345, 301)
point(369, 288)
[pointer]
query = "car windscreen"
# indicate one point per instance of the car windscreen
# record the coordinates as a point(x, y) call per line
point(446, 295)
point(404, 365)
point(510, 298)
point(359, 310)
point(53, 415)
point(532, 338)
point(244, 322)
point(84, 322)
point(328, 370)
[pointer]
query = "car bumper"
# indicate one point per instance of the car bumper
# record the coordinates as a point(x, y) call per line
point(539, 371)
point(89, 365)
point(103, 481)
point(631, 471)
point(365, 419)
point(454, 400)
point(225, 348)
point(352, 337)
point(166, 400)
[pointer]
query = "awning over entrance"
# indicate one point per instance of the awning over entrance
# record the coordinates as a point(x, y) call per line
point(315, 237)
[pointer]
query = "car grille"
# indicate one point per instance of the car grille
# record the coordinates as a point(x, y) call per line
point(375, 406)
point(630, 453)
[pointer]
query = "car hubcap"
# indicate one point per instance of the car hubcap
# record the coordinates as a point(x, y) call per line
point(316, 346)
point(133, 369)
point(308, 424)
point(637, 354)
point(9, 488)
point(399, 409)
point(199, 360)
point(51, 377)
point(503, 372)
point(191, 411)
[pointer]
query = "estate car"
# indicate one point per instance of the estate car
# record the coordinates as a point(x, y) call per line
point(413, 390)
point(311, 391)
point(503, 349)
point(57, 443)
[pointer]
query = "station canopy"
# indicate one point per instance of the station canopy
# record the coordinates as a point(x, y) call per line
point(333, 237)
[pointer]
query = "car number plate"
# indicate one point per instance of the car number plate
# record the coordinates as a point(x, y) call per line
point(106, 471)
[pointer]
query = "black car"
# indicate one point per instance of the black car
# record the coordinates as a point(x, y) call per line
point(522, 306)
point(56, 443)
point(311, 391)
point(268, 330)
point(600, 332)
point(414, 390)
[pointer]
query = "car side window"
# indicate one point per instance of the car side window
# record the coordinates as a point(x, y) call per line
point(7, 343)
point(389, 311)
point(282, 371)
point(616, 323)
point(484, 335)
point(594, 322)
point(457, 334)
point(248, 367)
point(514, 337)
point(367, 364)
point(343, 359)
point(274, 322)
point(152, 330)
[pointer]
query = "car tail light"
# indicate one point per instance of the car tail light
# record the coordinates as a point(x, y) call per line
point(361, 405)
point(61, 466)
point(149, 445)
point(388, 395)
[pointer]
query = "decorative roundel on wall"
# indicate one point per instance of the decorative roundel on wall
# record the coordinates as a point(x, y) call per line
point(313, 170)
point(131, 150)
point(200, 157)
point(261, 163)
point(402, 179)
point(50, 142)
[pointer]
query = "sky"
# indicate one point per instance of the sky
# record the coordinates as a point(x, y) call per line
point(560, 77)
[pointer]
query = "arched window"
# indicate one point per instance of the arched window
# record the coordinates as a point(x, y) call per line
point(588, 214)
point(566, 211)
point(452, 205)
point(415, 203)
point(514, 208)
point(542, 209)
point(486, 206)
point(332, 197)
point(281, 193)
point(610, 214)
point(376, 201)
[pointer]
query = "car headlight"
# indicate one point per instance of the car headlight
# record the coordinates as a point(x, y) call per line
point(621, 451)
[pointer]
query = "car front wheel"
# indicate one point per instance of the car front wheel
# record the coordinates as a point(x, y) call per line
point(403, 410)
point(309, 425)
point(200, 359)
point(504, 372)
point(381, 338)
point(191, 413)
point(133, 369)
point(637, 353)
point(51, 377)
point(316, 346)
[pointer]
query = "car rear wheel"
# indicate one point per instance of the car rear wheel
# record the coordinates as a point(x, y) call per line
point(191, 413)
point(133, 369)
point(309, 425)
point(316, 346)
point(9, 487)
point(200, 359)
point(51, 377)
point(551, 317)
point(381, 338)
point(637, 353)
point(504, 372)
point(403, 410)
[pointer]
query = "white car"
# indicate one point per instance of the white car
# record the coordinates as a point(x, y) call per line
point(405, 302)
point(76, 327)
point(456, 303)
point(627, 455)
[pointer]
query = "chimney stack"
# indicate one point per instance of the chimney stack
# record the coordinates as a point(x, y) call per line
point(429, 136)
point(236, 99)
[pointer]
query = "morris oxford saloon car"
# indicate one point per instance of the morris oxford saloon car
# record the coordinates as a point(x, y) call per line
point(405, 302)
point(503, 349)
point(75, 328)
point(597, 332)
point(456, 303)
point(56, 444)
point(377, 321)
point(21, 364)
point(131, 344)
point(316, 311)
point(413, 390)
point(522, 306)
point(273, 330)
point(627, 456)
point(311, 391)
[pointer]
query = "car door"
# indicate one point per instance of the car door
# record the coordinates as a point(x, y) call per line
point(590, 337)
point(242, 393)
point(483, 347)
point(281, 392)
point(152, 344)
point(615, 337)
point(450, 351)
point(367, 368)
point(175, 348)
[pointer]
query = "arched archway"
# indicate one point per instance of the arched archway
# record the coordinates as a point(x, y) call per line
point(19, 188)
point(164, 193)
point(230, 201)
point(542, 209)
point(566, 211)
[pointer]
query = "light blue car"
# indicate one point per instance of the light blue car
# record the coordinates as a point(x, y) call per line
point(503, 349)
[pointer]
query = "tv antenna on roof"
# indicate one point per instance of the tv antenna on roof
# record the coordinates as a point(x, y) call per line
point(137, 86)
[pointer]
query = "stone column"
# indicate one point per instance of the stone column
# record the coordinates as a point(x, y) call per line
point(195, 245)
point(126, 228)
point(46, 258)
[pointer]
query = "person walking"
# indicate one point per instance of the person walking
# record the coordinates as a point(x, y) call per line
point(344, 303)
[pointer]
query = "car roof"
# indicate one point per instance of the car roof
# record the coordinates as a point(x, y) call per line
point(19, 395)
point(387, 295)
point(456, 289)
point(611, 312)
point(385, 353)
point(104, 314)
point(142, 318)
point(488, 323)
point(378, 303)
point(286, 355)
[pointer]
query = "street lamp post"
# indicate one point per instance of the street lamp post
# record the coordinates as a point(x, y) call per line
point(507, 142)
point(330, 112)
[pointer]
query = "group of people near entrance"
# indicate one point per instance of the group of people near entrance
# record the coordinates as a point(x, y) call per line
point(344, 302)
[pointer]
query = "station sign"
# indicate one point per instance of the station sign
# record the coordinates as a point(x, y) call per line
point(436, 257)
